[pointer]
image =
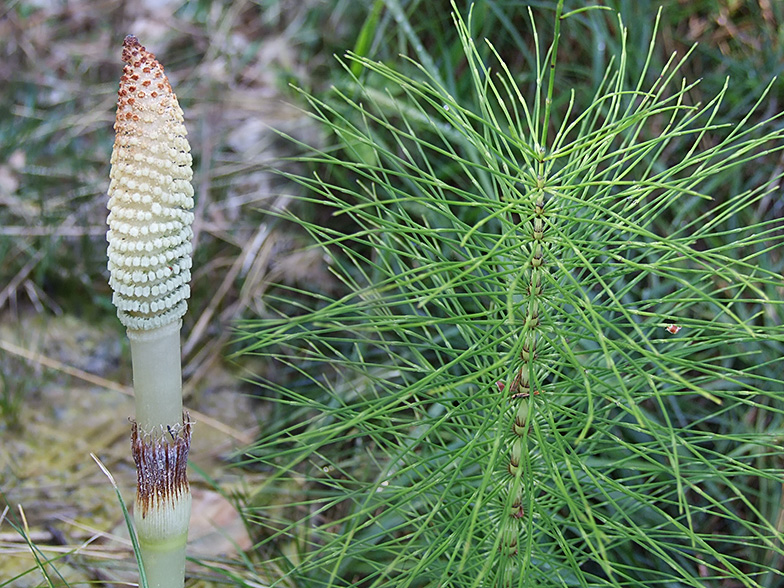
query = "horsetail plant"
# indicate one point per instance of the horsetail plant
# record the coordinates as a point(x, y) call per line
point(149, 237)
point(599, 262)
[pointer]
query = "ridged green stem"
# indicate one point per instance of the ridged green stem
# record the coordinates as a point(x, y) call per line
point(523, 387)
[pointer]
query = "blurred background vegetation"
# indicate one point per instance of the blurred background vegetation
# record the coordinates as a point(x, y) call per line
point(64, 365)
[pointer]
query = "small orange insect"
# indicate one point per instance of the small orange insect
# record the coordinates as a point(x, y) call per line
point(673, 328)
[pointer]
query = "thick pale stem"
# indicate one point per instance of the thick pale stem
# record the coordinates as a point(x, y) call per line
point(157, 377)
point(161, 441)
point(163, 502)
point(164, 568)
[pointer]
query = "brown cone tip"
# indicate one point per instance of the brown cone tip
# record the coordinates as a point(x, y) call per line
point(132, 49)
point(143, 81)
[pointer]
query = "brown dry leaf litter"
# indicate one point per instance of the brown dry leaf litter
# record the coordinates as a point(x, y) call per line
point(55, 490)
